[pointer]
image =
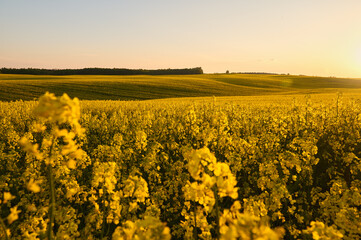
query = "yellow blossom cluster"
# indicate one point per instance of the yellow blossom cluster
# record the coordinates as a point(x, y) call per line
point(235, 225)
point(59, 110)
point(204, 168)
point(213, 180)
point(136, 187)
point(319, 231)
point(149, 228)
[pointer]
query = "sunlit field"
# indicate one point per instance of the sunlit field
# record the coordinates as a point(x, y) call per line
point(30, 87)
point(251, 167)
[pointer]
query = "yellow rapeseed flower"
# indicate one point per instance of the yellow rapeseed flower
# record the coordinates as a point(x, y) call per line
point(13, 214)
point(33, 186)
point(71, 164)
point(7, 197)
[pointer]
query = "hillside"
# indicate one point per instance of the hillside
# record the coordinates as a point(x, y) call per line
point(28, 87)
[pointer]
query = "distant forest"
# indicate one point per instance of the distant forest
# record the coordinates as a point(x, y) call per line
point(101, 71)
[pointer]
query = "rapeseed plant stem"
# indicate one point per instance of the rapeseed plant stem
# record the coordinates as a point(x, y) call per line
point(52, 202)
point(195, 221)
point(104, 215)
point(52, 195)
point(4, 228)
point(216, 205)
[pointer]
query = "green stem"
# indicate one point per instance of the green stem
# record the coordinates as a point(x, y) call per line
point(195, 222)
point(52, 195)
point(4, 228)
point(52, 202)
point(215, 190)
point(104, 214)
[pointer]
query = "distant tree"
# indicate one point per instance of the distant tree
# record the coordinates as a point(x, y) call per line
point(101, 71)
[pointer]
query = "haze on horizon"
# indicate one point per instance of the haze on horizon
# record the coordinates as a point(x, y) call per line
point(311, 37)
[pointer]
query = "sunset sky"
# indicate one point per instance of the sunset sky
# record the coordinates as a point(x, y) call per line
point(311, 37)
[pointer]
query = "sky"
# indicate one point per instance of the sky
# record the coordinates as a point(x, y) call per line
point(309, 37)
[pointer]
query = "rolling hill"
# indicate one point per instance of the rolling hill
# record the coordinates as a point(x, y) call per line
point(143, 87)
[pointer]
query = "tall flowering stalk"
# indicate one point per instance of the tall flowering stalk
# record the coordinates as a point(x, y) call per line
point(55, 117)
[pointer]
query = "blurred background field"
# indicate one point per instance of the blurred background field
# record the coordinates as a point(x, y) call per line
point(30, 87)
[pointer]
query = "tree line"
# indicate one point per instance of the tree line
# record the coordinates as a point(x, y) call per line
point(101, 71)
